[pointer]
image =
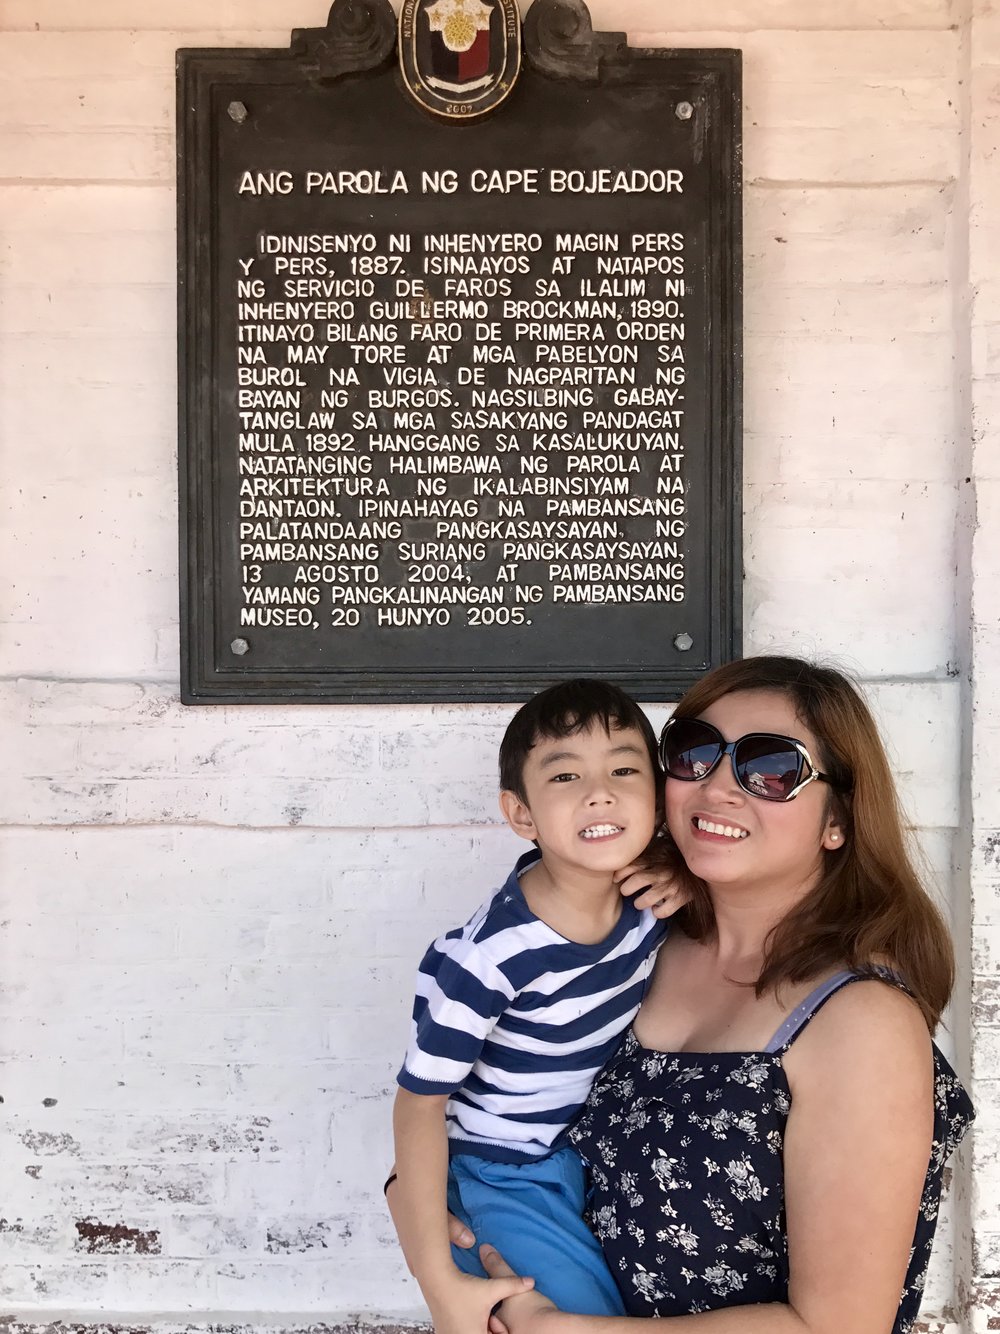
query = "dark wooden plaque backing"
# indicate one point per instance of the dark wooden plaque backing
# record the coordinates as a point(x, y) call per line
point(252, 126)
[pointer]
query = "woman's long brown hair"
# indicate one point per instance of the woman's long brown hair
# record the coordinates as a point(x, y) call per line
point(869, 908)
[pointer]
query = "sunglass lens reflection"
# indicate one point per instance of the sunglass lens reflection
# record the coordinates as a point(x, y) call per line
point(765, 767)
point(690, 750)
point(767, 770)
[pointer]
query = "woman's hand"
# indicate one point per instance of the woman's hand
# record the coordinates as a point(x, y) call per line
point(525, 1313)
point(458, 1234)
point(653, 886)
point(461, 1303)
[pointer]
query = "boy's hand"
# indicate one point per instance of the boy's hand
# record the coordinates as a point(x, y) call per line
point(654, 887)
point(461, 1303)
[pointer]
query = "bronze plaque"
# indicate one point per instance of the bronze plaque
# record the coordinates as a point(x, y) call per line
point(459, 394)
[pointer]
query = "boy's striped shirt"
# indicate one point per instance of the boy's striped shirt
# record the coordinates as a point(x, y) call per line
point(514, 1021)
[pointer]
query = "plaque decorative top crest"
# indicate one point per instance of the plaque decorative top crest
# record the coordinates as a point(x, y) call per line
point(459, 58)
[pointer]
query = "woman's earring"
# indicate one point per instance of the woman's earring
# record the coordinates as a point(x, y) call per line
point(834, 838)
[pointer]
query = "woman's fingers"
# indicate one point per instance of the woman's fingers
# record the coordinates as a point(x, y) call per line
point(497, 1326)
point(459, 1234)
point(494, 1263)
point(498, 1268)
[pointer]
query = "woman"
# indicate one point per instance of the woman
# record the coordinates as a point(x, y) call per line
point(767, 1145)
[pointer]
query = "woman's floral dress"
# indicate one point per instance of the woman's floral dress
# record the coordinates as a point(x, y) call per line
point(685, 1152)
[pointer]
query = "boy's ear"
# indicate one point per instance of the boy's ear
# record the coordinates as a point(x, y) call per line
point(517, 815)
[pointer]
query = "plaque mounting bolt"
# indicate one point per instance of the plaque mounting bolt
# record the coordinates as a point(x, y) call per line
point(240, 647)
point(683, 642)
point(683, 110)
point(237, 112)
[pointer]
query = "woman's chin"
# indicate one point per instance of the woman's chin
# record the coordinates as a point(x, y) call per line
point(714, 861)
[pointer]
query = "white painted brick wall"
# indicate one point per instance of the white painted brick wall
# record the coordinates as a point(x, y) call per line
point(211, 916)
point(982, 721)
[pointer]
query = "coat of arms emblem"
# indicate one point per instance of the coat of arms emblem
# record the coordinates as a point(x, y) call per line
point(459, 58)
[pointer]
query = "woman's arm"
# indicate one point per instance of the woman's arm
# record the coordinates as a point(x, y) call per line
point(857, 1147)
point(856, 1150)
point(532, 1313)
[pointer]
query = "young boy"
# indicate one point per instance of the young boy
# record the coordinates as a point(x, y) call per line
point(518, 1010)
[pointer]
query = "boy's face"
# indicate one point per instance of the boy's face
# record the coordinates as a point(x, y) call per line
point(591, 799)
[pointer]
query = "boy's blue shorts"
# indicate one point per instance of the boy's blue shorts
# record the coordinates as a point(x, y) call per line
point(532, 1213)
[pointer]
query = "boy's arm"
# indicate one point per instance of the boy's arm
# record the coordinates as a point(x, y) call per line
point(419, 1195)
point(459, 1303)
point(460, 994)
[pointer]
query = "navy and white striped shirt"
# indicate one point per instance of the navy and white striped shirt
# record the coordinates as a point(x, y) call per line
point(514, 1021)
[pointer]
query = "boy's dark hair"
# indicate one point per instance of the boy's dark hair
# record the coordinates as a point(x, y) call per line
point(563, 710)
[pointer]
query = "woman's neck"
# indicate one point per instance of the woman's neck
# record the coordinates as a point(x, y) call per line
point(743, 921)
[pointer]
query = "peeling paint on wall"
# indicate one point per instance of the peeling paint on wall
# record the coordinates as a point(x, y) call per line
point(98, 1238)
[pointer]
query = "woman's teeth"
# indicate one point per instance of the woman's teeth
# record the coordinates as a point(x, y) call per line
point(727, 830)
point(601, 831)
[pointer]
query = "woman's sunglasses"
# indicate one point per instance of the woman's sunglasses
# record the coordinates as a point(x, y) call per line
point(774, 768)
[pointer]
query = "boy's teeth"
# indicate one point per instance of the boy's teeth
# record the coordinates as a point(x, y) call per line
point(727, 829)
point(601, 830)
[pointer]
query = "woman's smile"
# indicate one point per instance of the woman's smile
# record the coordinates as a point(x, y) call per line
point(709, 828)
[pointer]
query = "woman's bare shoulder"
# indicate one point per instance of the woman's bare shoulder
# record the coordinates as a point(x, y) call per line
point(866, 1026)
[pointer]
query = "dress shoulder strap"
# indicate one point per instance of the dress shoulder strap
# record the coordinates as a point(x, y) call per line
point(818, 997)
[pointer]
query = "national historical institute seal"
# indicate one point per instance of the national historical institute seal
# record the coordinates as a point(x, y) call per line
point(460, 58)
